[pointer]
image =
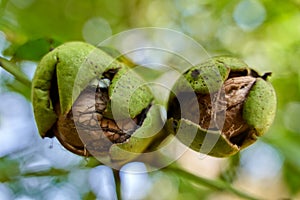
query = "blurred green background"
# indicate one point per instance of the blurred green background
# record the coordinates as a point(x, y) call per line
point(264, 33)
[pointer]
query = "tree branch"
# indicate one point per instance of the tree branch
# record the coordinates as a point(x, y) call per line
point(213, 184)
point(13, 69)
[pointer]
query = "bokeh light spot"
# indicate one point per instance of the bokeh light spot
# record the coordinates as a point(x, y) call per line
point(14, 133)
point(134, 180)
point(261, 161)
point(101, 180)
point(96, 30)
point(249, 14)
point(291, 117)
point(5, 192)
point(21, 4)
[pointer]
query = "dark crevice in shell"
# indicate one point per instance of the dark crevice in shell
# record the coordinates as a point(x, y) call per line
point(244, 72)
point(142, 116)
point(117, 131)
point(241, 137)
point(54, 98)
point(110, 74)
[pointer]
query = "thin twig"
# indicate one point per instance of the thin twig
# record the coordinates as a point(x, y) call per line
point(117, 182)
point(13, 69)
point(213, 184)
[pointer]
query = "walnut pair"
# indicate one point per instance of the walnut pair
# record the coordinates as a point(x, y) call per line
point(97, 105)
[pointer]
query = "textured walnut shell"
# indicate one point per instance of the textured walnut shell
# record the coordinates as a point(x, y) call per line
point(226, 107)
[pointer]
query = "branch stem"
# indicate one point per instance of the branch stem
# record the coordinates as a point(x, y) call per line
point(213, 184)
point(118, 183)
point(13, 69)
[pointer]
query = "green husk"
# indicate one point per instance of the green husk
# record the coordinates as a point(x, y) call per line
point(260, 106)
point(57, 77)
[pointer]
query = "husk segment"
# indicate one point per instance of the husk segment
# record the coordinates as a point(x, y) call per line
point(60, 68)
point(262, 97)
point(212, 143)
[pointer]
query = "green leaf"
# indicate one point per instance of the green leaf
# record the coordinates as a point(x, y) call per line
point(35, 49)
point(9, 169)
point(88, 196)
point(291, 174)
point(230, 172)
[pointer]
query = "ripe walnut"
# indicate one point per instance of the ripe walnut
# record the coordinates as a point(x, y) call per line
point(114, 120)
point(221, 98)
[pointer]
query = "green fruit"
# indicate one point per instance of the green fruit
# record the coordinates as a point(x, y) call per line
point(221, 106)
point(94, 104)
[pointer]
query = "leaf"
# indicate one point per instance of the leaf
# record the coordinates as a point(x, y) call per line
point(230, 172)
point(35, 49)
point(89, 195)
point(291, 174)
point(288, 145)
point(9, 169)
